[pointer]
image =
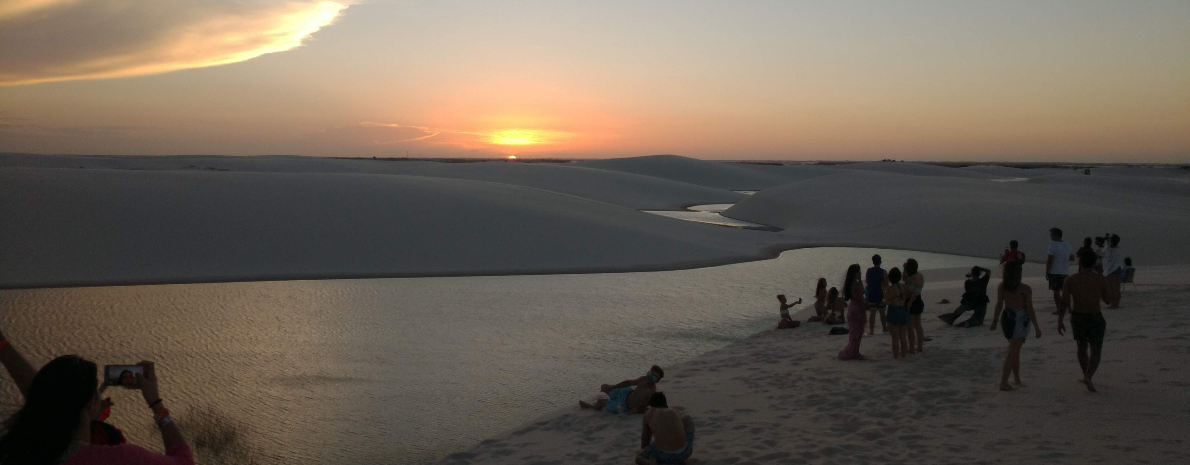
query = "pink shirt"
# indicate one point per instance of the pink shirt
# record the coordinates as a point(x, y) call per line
point(176, 454)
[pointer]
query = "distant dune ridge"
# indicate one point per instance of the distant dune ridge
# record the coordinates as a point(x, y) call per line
point(71, 220)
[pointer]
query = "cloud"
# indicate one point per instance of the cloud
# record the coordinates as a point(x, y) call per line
point(60, 40)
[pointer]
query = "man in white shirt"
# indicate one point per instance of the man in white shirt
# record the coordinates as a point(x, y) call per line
point(1113, 269)
point(1057, 265)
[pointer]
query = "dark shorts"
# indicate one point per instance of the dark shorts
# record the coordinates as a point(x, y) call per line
point(653, 452)
point(1088, 327)
point(917, 307)
point(1056, 281)
point(898, 315)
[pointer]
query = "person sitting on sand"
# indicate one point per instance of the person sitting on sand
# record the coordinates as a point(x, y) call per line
point(667, 435)
point(1082, 293)
point(628, 396)
point(820, 305)
point(1011, 254)
point(898, 313)
point(786, 322)
point(877, 280)
point(1014, 311)
point(975, 298)
point(837, 307)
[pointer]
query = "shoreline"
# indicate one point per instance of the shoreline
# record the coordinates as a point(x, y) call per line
point(749, 404)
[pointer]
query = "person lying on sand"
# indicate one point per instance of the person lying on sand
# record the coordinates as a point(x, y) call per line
point(1084, 290)
point(786, 322)
point(667, 435)
point(628, 396)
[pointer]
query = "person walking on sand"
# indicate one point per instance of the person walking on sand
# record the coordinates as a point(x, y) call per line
point(877, 280)
point(1015, 299)
point(667, 435)
point(628, 396)
point(1057, 264)
point(898, 313)
point(786, 322)
point(1082, 293)
point(820, 303)
point(975, 298)
point(1114, 269)
point(853, 291)
point(914, 282)
point(1011, 254)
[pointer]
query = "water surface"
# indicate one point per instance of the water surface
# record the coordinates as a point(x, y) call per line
point(407, 370)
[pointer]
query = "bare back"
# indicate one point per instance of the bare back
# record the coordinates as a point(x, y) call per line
point(669, 433)
point(1017, 299)
point(638, 400)
point(1084, 290)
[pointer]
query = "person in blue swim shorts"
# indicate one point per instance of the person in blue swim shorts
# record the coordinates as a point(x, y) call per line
point(628, 396)
point(667, 436)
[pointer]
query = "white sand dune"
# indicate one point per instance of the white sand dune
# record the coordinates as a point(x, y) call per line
point(915, 169)
point(783, 397)
point(976, 217)
point(90, 227)
point(733, 176)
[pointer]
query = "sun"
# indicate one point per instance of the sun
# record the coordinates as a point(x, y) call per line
point(512, 157)
point(517, 137)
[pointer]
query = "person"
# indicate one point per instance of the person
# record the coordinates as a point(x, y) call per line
point(975, 298)
point(22, 373)
point(667, 436)
point(837, 306)
point(1011, 254)
point(853, 291)
point(877, 280)
point(127, 379)
point(1100, 243)
point(54, 423)
point(1086, 247)
point(786, 322)
point(914, 282)
point(1081, 293)
point(628, 396)
point(820, 304)
point(1114, 270)
point(898, 313)
point(1057, 264)
point(1014, 311)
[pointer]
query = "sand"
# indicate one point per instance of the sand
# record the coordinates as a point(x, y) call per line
point(783, 397)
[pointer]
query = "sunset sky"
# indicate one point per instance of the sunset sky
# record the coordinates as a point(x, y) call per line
point(937, 80)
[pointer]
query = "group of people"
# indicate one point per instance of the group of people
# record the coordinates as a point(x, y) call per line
point(667, 434)
point(62, 419)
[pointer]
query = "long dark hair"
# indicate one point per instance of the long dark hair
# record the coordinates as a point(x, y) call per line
point(1012, 275)
point(41, 431)
point(851, 279)
point(820, 289)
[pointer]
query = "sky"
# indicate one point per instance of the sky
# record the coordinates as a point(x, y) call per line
point(1040, 80)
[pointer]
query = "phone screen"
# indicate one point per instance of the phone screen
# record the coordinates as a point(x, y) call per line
point(123, 375)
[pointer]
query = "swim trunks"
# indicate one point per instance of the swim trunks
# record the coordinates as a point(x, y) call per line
point(652, 452)
point(1088, 327)
point(617, 399)
point(1056, 281)
point(898, 315)
point(1015, 324)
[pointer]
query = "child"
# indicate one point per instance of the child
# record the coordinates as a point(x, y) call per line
point(1016, 301)
point(877, 280)
point(786, 321)
point(898, 313)
point(837, 305)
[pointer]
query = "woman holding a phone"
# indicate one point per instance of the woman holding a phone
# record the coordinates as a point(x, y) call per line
point(62, 401)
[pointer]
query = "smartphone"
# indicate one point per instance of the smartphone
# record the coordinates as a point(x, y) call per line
point(123, 375)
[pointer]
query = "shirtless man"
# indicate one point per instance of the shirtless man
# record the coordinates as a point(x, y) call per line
point(1085, 289)
point(667, 435)
point(628, 396)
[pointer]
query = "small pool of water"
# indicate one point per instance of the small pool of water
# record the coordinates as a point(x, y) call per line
point(711, 214)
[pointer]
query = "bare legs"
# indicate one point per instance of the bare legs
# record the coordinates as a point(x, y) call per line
point(1113, 284)
point(916, 335)
point(872, 321)
point(900, 340)
point(1012, 364)
point(1089, 362)
point(1057, 301)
